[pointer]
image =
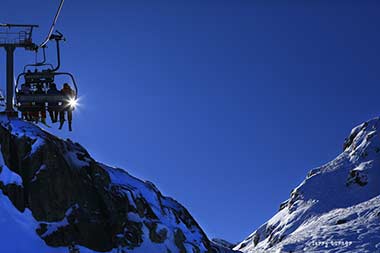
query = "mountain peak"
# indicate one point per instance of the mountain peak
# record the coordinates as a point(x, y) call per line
point(334, 202)
point(68, 198)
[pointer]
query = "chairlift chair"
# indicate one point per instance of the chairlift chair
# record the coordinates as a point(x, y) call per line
point(42, 79)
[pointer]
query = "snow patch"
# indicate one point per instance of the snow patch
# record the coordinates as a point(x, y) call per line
point(6, 175)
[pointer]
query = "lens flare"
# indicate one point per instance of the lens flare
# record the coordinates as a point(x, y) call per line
point(73, 102)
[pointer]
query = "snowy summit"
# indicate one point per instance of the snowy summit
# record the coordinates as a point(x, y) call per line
point(335, 209)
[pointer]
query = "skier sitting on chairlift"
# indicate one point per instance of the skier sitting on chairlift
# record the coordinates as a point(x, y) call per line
point(70, 94)
point(42, 112)
point(25, 90)
point(52, 112)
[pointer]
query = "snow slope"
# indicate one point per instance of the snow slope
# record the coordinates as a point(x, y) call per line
point(335, 209)
point(18, 233)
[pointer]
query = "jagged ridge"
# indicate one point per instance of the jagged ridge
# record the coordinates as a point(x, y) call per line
point(73, 198)
point(335, 209)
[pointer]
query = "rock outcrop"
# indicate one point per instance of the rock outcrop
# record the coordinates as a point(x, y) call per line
point(75, 199)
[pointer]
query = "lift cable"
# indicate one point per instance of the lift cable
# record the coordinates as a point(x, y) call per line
point(53, 24)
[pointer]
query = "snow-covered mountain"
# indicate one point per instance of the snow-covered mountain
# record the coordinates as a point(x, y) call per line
point(54, 194)
point(335, 209)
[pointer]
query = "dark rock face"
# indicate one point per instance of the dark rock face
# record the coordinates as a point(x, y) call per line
point(342, 221)
point(357, 177)
point(350, 139)
point(76, 199)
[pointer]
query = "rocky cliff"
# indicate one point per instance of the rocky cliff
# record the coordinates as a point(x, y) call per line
point(73, 199)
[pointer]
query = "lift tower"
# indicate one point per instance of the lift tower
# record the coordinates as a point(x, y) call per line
point(14, 36)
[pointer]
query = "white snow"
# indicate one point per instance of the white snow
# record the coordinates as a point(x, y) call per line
point(6, 175)
point(71, 157)
point(55, 226)
point(38, 136)
point(21, 128)
point(18, 232)
point(335, 209)
point(41, 169)
point(161, 206)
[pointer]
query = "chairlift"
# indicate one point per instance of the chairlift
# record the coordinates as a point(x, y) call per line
point(38, 83)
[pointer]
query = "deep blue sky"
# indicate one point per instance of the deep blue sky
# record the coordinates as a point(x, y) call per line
point(224, 105)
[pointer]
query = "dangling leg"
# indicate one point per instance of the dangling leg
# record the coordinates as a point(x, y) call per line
point(35, 116)
point(70, 119)
point(56, 116)
point(61, 119)
point(51, 114)
point(43, 116)
point(29, 116)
